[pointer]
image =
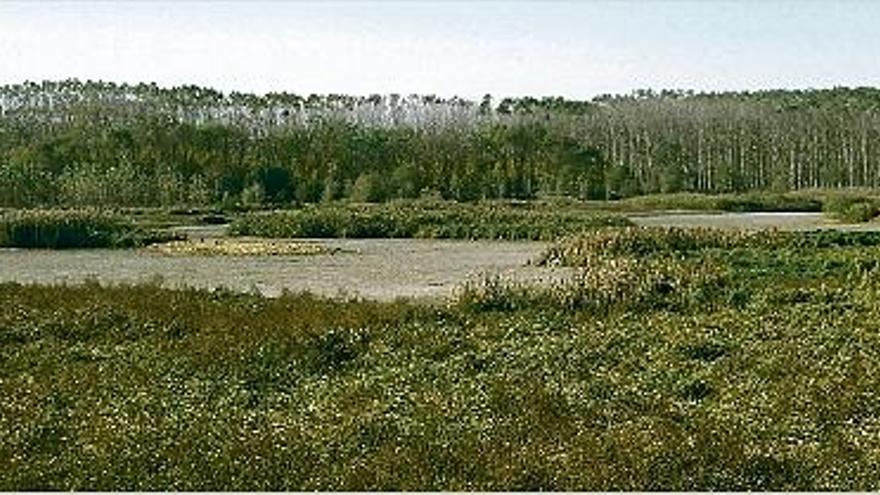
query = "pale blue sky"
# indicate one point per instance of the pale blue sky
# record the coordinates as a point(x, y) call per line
point(573, 49)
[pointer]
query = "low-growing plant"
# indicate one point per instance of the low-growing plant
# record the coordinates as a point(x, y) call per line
point(800, 201)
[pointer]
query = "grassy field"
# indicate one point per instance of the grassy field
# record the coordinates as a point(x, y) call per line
point(673, 360)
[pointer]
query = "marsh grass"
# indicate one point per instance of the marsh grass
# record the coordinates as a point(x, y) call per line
point(421, 219)
point(605, 285)
point(853, 207)
point(766, 381)
point(581, 250)
point(62, 229)
point(798, 201)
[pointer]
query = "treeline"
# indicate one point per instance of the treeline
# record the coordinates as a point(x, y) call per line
point(96, 143)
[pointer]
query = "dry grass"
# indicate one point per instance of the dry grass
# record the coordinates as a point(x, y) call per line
point(240, 247)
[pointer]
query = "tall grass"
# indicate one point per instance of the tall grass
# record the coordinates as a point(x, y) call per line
point(606, 285)
point(59, 229)
point(799, 201)
point(741, 367)
point(582, 250)
point(853, 207)
point(491, 220)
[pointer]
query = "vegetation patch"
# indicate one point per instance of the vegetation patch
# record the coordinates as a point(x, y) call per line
point(440, 220)
point(732, 369)
point(852, 208)
point(801, 201)
point(606, 285)
point(60, 229)
point(239, 247)
point(583, 250)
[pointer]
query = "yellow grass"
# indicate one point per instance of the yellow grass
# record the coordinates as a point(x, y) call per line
point(240, 247)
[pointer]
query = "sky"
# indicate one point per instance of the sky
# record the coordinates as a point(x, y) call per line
point(447, 48)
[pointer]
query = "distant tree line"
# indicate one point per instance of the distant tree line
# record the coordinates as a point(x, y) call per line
point(97, 143)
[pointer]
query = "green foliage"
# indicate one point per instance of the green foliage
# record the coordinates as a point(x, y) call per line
point(73, 143)
point(442, 220)
point(367, 189)
point(59, 229)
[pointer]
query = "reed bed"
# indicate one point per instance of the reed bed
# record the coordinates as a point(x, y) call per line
point(62, 229)
point(799, 201)
point(581, 250)
point(508, 221)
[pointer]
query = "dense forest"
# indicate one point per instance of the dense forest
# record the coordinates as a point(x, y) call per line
point(99, 143)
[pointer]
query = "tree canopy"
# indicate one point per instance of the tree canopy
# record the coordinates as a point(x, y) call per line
point(98, 143)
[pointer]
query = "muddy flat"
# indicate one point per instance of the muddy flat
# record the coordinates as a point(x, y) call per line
point(382, 269)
